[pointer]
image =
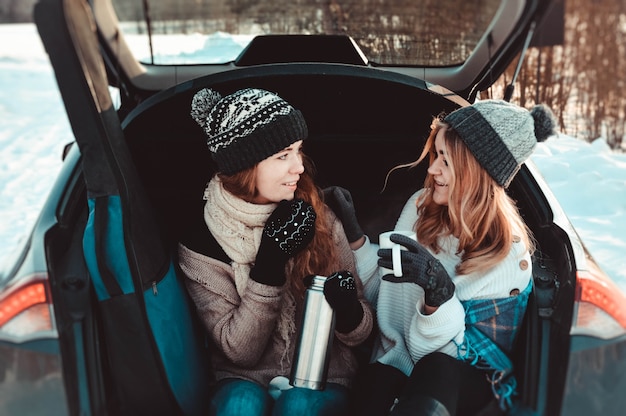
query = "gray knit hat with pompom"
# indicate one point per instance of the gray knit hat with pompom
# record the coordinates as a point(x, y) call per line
point(246, 127)
point(501, 135)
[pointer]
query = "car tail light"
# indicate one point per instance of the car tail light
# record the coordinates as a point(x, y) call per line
point(601, 305)
point(25, 310)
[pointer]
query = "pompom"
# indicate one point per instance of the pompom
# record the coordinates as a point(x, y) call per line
point(545, 122)
point(202, 103)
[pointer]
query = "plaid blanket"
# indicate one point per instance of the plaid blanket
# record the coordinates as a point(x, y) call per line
point(491, 326)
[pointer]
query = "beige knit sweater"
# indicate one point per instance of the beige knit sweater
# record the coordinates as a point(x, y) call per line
point(243, 327)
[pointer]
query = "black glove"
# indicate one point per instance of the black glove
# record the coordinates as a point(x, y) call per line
point(340, 293)
point(340, 201)
point(420, 267)
point(287, 231)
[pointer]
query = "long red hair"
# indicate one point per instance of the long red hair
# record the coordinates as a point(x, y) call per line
point(319, 257)
point(479, 211)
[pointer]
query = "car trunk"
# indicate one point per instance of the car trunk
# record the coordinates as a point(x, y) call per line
point(362, 123)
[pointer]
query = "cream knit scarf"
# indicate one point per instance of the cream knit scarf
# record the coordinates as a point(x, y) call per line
point(237, 226)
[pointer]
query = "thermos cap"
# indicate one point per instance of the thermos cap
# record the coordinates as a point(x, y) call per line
point(318, 282)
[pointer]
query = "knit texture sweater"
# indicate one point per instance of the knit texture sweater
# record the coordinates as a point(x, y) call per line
point(242, 318)
point(406, 334)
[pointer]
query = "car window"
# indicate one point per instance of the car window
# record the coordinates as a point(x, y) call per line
point(389, 32)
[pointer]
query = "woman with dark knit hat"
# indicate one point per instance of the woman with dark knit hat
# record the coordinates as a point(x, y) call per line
point(448, 324)
point(265, 229)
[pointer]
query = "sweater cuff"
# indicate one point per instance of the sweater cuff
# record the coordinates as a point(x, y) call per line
point(366, 259)
point(449, 312)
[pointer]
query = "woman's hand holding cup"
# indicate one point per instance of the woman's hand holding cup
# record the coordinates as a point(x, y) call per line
point(419, 267)
point(384, 241)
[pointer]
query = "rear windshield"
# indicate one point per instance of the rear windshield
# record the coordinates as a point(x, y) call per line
point(389, 32)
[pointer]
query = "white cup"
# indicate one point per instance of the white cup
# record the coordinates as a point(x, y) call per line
point(385, 242)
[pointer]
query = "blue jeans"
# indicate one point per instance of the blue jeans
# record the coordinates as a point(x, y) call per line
point(236, 397)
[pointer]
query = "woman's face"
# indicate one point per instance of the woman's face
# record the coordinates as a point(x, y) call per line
point(277, 176)
point(440, 171)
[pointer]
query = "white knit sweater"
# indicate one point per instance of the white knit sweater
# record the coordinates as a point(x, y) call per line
point(406, 334)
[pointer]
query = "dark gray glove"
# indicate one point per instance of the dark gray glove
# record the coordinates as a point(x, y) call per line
point(419, 267)
point(340, 201)
point(340, 293)
point(288, 231)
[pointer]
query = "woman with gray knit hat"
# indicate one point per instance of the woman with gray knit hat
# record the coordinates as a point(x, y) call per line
point(265, 229)
point(449, 322)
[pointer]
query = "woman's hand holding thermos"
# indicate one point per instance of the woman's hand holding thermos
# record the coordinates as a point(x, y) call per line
point(341, 295)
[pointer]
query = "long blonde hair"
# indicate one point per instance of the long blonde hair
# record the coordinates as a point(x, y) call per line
point(320, 256)
point(479, 211)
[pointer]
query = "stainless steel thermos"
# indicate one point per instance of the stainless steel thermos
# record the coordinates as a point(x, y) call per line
point(314, 342)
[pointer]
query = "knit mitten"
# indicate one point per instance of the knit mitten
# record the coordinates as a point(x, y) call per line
point(419, 267)
point(288, 230)
point(340, 293)
point(340, 201)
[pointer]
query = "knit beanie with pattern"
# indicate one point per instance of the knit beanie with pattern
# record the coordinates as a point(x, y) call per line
point(246, 127)
point(501, 135)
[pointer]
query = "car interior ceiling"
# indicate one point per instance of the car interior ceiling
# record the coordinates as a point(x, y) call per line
point(358, 130)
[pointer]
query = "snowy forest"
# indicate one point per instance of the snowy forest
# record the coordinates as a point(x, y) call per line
point(582, 76)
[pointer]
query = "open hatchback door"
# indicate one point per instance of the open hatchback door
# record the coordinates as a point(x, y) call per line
point(152, 358)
